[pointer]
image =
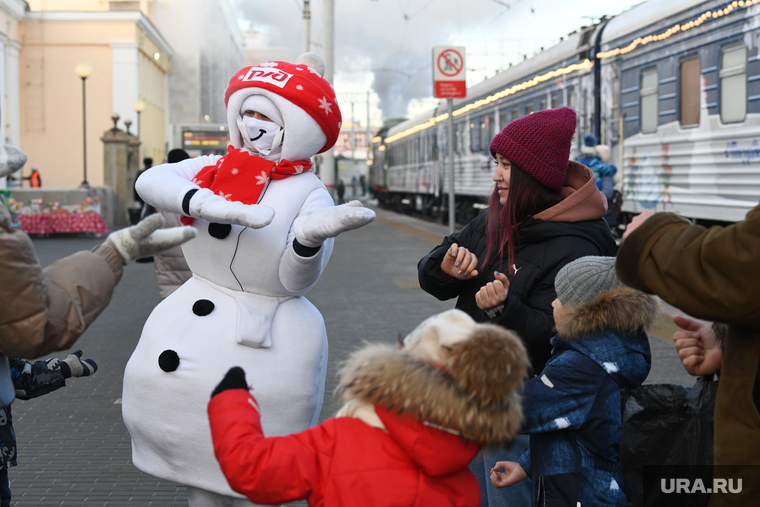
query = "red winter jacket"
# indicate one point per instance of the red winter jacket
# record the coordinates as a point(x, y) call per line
point(343, 461)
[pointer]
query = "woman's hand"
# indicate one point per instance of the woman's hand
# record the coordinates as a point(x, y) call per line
point(512, 474)
point(697, 346)
point(493, 293)
point(460, 263)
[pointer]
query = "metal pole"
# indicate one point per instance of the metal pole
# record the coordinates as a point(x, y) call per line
point(452, 214)
point(327, 170)
point(84, 184)
point(353, 135)
point(306, 25)
point(369, 131)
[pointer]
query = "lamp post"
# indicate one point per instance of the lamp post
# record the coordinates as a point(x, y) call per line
point(83, 70)
point(139, 107)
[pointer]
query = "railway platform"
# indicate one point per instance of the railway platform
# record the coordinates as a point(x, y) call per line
point(73, 448)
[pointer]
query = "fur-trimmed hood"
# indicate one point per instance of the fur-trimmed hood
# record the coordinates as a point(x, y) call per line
point(611, 330)
point(472, 391)
point(619, 308)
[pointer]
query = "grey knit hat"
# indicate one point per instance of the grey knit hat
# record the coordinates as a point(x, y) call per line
point(583, 279)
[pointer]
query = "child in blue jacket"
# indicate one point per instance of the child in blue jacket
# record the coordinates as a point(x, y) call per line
point(572, 408)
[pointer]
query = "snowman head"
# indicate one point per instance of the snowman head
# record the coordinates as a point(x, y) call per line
point(281, 110)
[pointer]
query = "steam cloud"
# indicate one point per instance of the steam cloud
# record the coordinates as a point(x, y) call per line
point(392, 39)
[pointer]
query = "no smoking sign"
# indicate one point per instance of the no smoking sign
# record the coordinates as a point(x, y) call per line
point(449, 72)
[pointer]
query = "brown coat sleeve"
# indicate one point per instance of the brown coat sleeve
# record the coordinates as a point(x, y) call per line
point(42, 311)
point(712, 274)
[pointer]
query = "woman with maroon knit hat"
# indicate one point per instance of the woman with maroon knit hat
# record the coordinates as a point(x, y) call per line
point(544, 212)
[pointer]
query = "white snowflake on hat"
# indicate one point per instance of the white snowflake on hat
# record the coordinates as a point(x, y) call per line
point(226, 196)
point(323, 104)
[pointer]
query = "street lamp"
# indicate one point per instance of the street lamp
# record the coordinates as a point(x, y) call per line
point(83, 70)
point(139, 107)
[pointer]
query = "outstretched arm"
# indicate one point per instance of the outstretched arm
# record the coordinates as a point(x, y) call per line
point(164, 186)
point(268, 471)
point(706, 273)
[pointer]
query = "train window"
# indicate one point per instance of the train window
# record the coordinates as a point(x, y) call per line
point(689, 92)
point(515, 113)
point(473, 138)
point(571, 100)
point(542, 104)
point(486, 133)
point(458, 138)
point(555, 100)
point(528, 108)
point(733, 83)
point(649, 106)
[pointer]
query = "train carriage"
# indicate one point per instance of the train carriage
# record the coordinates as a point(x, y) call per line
point(684, 81)
point(673, 88)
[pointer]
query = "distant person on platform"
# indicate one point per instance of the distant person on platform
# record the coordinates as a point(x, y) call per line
point(354, 181)
point(171, 267)
point(596, 158)
point(341, 191)
point(35, 180)
point(45, 310)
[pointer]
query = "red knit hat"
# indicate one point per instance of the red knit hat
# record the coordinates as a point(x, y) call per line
point(299, 84)
point(539, 144)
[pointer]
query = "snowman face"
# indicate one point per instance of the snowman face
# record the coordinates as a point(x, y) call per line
point(259, 132)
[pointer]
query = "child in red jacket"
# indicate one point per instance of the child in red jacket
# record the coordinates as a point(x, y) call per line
point(413, 418)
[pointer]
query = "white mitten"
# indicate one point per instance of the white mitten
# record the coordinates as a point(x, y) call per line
point(143, 239)
point(11, 159)
point(313, 230)
point(215, 208)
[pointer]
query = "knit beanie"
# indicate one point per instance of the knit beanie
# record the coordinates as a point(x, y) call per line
point(589, 140)
point(583, 279)
point(539, 144)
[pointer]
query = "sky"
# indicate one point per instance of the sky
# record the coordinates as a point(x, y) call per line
point(384, 47)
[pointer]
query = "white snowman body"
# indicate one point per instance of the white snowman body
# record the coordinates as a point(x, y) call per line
point(244, 306)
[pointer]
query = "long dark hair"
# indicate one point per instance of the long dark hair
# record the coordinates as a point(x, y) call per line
point(527, 197)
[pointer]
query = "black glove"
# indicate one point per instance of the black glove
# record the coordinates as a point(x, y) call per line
point(73, 366)
point(235, 379)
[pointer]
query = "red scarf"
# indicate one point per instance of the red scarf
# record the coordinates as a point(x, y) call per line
point(241, 176)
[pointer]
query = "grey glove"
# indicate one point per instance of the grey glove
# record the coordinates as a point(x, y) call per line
point(147, 238)
point(11, 159)
point(325, 223)
point(73, 366)
point(215, 208)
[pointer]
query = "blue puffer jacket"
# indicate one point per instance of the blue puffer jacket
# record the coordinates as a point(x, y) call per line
point(572, 408)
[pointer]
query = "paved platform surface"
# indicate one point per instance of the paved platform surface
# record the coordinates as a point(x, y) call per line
point(73, 446)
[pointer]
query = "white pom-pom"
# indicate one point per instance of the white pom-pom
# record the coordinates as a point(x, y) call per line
point(313, 61)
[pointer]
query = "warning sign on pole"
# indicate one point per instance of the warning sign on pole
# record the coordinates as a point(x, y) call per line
point(449, 72)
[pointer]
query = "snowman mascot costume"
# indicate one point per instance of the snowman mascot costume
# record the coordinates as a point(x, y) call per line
point(265, 233)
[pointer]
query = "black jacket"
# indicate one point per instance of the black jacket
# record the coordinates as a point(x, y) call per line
point(542, 250)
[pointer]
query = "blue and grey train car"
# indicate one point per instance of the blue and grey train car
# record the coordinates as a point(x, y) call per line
point(672, 87)
point(415, 175)
point(681, 94)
